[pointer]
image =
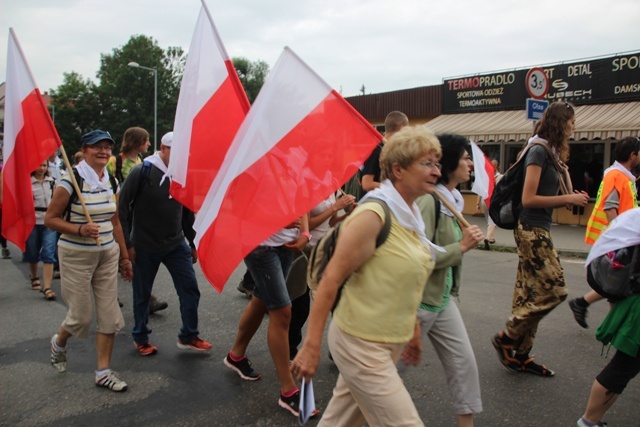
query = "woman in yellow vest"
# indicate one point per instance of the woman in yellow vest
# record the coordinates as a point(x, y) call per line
point(617, 194)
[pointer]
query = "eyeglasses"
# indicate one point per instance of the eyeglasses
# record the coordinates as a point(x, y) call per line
point(431, 165)
point(102, 147)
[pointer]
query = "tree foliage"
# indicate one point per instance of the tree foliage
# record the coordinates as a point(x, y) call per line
point(252, 75)
point(124, 95)
point(76, 109)
point(127, 94)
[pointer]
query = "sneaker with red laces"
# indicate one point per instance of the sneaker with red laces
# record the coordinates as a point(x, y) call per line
point(146, 349)
point(198, 345)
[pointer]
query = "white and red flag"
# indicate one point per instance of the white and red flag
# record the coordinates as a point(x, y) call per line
point(29, 138)
point(484, 172)
point(300, 141)
point(211, 106)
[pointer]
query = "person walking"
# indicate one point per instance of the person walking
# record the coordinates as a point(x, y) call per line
point(620, 328)
point(155, 226)
point(376, 316)
point(41, 243)
point(439, 316)
point(269, 265)
point(90, 254)
point(617, 194)
point(540, 285)
point(135, 142)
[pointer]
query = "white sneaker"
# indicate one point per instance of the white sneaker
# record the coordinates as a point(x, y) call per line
point(111, 381)
point(58, 358)
point(582, 423)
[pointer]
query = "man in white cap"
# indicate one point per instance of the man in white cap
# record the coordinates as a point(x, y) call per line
point(155, 226)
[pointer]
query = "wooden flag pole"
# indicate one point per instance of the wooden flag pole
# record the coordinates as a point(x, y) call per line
point(453, 210)
point(72, 176)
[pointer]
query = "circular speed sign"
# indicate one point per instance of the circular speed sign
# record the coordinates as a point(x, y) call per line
point(537, 83)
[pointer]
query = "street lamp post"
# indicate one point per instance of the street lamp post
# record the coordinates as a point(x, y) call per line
point(155, 100)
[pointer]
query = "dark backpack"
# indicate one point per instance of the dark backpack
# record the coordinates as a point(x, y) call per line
point(506, 201)
point(616, 275)
point(323, 251)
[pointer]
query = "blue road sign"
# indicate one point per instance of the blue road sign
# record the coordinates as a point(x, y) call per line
point(535, 108)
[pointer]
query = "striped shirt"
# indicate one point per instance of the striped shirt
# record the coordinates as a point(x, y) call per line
point(101, 205)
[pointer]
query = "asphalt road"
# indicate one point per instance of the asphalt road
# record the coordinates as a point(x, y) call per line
point(174, 388)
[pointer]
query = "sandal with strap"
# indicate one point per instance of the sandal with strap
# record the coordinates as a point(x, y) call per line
point(534, 368)
point(35, 284)
point(505, 352)
point(48, 294)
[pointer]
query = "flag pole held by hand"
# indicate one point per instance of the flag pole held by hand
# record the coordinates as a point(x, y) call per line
point(453, 210)
point(72, 176)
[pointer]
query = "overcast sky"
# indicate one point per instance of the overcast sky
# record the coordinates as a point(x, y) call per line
point(385, 45)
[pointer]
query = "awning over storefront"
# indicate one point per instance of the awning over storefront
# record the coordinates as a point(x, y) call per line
point(592, 122)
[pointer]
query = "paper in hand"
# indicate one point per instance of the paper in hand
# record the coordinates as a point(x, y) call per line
point(307, 405)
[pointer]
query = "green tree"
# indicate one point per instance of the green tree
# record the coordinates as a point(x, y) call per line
point(252, 75)
point(77, 109)
point(127, 94)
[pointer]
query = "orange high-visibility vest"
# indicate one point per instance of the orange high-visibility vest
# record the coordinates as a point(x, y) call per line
point(614, 179)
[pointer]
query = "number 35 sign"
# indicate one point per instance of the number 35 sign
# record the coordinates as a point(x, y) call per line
point(537, 83)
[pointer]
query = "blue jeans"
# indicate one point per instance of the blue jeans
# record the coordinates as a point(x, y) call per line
point(41, 246)
point(269, 266)
point(178, 262)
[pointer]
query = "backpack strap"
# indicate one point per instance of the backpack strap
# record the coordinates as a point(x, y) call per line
point(560, 168)
point(145, 171)
point(119, 167)
point(74, 196)
point(386, 227)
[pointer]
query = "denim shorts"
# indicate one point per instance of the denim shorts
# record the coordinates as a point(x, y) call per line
point(269, 266)
point(41, 245)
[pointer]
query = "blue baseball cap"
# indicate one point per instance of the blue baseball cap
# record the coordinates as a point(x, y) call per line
point(96, 136)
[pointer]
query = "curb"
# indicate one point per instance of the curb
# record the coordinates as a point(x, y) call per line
point(511, 249)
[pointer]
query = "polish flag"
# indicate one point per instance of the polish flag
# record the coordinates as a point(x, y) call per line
point(211, 106)
point(484, 172)
point(29, 138)
point(300, 141)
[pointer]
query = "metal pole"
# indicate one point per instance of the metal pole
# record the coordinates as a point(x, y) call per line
point(154, 70)
point(155, 109)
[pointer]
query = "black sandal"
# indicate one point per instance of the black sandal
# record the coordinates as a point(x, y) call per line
point(35, 284)
point(534, 368)
point(48, 294)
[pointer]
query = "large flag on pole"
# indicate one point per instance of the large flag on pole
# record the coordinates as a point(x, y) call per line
point(211, 106)
point(484, 173)
point(300, 141)
point(29, 138)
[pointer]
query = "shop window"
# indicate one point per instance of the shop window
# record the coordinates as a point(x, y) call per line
point(586, 165)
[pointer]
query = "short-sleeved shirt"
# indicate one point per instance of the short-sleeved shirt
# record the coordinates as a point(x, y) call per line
point(101, 205)
point(319, 232)
point(372, 164)
point(549, 185)
point(380, 299)
point(127, 165)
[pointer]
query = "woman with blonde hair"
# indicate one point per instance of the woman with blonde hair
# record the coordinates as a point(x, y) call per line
point(376, 315)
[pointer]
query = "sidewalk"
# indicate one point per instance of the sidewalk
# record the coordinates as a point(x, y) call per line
point(568, 239)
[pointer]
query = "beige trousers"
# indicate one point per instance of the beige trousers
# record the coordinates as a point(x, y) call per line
point(85, 276)
point(369, 387)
